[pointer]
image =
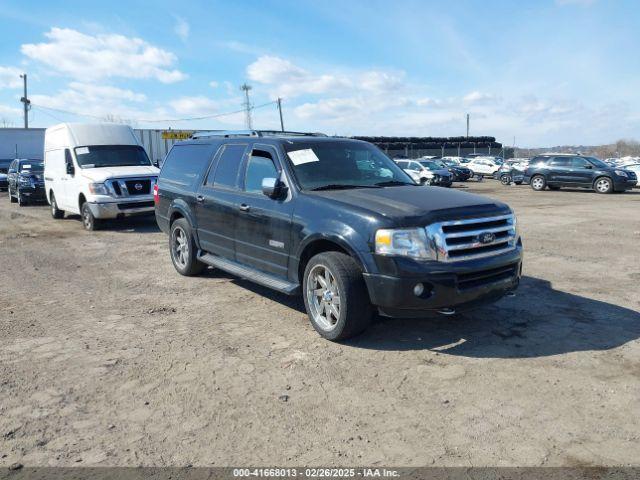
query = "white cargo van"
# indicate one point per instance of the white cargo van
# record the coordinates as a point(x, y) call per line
point(98, 171)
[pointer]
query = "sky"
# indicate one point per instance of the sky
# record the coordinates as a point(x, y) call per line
point(540, 73)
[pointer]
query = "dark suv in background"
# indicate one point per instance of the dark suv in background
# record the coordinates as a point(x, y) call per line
point(337, 221)
point(25, 180)
point(566, 170)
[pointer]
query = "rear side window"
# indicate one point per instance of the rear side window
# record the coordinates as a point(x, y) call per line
point(184, 163)
point(561, 162)
point(226, 172)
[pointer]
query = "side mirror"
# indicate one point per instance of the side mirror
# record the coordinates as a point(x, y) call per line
point(272, 187)
point(156, 163)
point(70, 169)
point(588, 166)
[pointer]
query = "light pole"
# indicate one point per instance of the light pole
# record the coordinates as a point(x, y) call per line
point(25, 100)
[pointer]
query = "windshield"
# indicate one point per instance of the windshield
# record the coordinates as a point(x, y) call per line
point(111, 156)
point(430, 164)
point(597, 162)
point(35, 167)
point(343, 164)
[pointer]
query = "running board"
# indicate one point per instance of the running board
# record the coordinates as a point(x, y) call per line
point(249, 273)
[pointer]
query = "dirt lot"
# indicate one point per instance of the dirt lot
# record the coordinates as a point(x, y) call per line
point(109, 357)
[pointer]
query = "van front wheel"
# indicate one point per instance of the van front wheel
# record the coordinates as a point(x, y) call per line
point(88, 220)
point(55, 211)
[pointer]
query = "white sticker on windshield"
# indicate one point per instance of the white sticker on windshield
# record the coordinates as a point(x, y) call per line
point(82, 150)
point(299, 157)
point(26, 167)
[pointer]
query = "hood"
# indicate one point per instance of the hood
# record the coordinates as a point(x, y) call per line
point(415, 205)
point(105, 173)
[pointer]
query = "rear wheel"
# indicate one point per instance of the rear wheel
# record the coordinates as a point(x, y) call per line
point(505, 179)
point(89, 222)
point(603, 185)
point(336, 296)
point(183, 249)
point(55, 211)
point(538, 183)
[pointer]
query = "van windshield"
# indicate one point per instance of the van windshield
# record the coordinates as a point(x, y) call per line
point(99, 156)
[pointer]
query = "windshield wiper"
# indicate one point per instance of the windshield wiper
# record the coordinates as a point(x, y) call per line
point(341, 186)
point(393, 183)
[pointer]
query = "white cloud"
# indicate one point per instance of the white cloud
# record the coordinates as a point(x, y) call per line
point(214, 84)
point(478, 98)
point(285, 79)
point(10, 77)
point(102, 56)
point(194, 106)
point(181, 29)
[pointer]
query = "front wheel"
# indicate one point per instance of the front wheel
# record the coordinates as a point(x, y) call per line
point(603, 185)
point(89, 222)
point(505, 179)
point(183, 249)
point(335, 296)
point(538, 183)
point(55, 211)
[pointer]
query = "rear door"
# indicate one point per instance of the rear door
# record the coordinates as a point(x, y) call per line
point(217, 201)
point(263, 225)
point(559, 170)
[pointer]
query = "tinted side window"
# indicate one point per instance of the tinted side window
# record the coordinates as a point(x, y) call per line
point(260, 166)
point(184, 163)
point(226, 171)
point(579, 162)
point(561, 162)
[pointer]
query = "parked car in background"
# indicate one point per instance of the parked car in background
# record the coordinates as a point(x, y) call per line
point(427, 172)
point(460, 172)
point(262, 206)
point(98, 171)
point(4, 184)
point(512, 170)
point(483, 166)
point(577, 171)
point(635, 168)
point(26, 181)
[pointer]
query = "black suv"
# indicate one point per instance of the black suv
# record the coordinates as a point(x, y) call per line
point(25, 180)
point(566, 170)
point(336, 220)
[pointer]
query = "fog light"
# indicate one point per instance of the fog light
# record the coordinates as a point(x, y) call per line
point(418, 289)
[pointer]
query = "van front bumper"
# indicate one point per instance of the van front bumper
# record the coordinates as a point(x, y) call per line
point(122, 209)
point(456, 286)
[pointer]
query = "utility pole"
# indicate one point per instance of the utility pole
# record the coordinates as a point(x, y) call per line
point(280, 110)
point(26, 101)
point(467, 125)
point(247, 105)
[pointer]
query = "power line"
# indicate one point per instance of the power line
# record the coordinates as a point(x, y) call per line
point(165, 120)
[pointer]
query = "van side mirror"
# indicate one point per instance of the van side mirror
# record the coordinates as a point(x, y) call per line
point(69, 163)
point(272, 187)
point(156, 163)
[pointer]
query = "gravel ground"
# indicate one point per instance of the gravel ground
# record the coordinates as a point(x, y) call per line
point(109, 357)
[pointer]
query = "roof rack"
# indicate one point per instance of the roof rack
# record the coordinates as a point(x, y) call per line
point(254, 133)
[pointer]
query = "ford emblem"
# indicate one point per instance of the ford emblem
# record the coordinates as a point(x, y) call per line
point(138, 186)
point(486, 237)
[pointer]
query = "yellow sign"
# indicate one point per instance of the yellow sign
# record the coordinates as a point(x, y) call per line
point(176, 134)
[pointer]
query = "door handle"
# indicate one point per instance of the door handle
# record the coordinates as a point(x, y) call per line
point(200, 199)
point(244, 207)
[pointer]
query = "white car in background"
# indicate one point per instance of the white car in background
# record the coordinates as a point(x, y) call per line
point(634, 167)
point(483, 166)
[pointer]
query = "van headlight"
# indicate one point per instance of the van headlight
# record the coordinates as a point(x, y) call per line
point(98, 189)
point(404, 242)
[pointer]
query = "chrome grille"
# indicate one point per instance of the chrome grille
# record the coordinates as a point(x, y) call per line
point(127, 187)
point(458, 240)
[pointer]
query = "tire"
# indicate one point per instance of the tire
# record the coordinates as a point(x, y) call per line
point(505, 179)
point(21, 201)
point(603, 185)
point(12, 199)
point(352, 313)
point(55, 211)
point(538, 183)
point(182, 248)
point(89, 222)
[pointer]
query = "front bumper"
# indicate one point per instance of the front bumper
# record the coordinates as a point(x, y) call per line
point(458, 286)
point(36, 193)
point(620, 184)
point(122, 209)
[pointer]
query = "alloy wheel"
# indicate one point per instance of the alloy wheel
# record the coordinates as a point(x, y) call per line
point(180, 247)
point(323, 297)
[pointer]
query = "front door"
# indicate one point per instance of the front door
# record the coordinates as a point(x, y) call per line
point(581, 171)
point(263, 228)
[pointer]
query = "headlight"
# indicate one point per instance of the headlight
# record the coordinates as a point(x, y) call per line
point(621, 173)
point(406, 242)
point(24, 180)
point(98, 189)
